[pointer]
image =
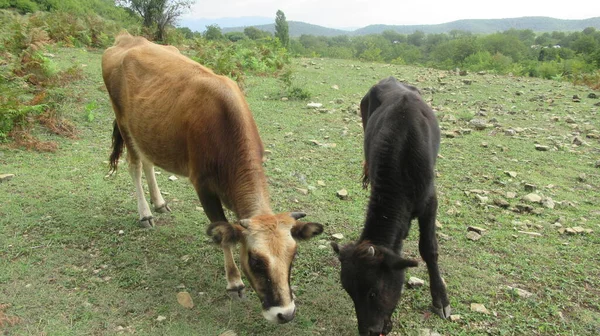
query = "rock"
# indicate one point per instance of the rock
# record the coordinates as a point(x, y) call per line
point(548, 203)
point(320, 183)
point(476, 229)
point(577, 141)
point(474, 236)
point(454, 318)
point(342, 194)
point(511, 173)
point(478, 307)
point(582, 177)
point(6, 177)
point(185, 300)
point(335, 87)
point(597, 164)
point(478, 124)
point(302, 191)
point(482, 199)
point(414, 282)
point(510, 194)
point(160, 318)
point(524, 208)
point(467, 81)
point(501, 203)
point(172, 178)
point(541, 148)
point(121, 232)
point(569, 120)
point(338, 236)
point(592, 95)
point(532, 198)
point(314, 105)
point(228, 333)
point(520, 292)
point(535, 234)
point(338, 100)
point(510, 132)
point(530, 187)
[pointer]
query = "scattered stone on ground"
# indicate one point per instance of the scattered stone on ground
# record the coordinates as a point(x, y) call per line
point(592, 95)
point(478, 307)
point(511, 173)
point(478, 124)
point(342, 194)
point(161, 318)
point(321, 183)
point(520, 292)
point(524, 208)
point(575, 230)
point(6, 177)
point(532, 198)
point(314, 105)
point(302, 191)
point(185, 299)
point(172, 178)
point(428, 332)
point(582, 177)
point(534, 234)
point(541, 148)
point(338, 236)
point(454, 317)
point(414, 282)
point(476, 229)
point(335, 87)
point(548, 203)
point(228, 333)
point(529, 187)
point(474, 236)
point(510, 194)
point(597, 164)
point(501, 202)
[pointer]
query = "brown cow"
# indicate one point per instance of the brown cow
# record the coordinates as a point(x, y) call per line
point(179, 115)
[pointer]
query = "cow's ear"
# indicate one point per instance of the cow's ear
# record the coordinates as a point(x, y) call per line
point(224, 233)
point(304, 230)
point(394, 261)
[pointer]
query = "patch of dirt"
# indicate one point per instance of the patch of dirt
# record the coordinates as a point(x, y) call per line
point(7, 320)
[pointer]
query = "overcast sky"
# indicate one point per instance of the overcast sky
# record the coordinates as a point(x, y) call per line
point(360, 13)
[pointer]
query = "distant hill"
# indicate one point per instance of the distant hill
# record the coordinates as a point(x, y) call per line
point(536, 23)
point(296, 29)
point(200, 24)
point(477, 26)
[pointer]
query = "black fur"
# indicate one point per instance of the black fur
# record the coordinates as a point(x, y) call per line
point(117, 146)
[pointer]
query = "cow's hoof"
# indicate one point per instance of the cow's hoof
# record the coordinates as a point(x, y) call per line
point(163, 208)
point(237, 293)
point(442, 312)
point(147, 222)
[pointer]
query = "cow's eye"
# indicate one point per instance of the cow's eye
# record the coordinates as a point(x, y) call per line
point(372, 295)
point(253, 261)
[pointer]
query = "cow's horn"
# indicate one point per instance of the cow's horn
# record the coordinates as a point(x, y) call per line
point(245, 223)
point(297, 215)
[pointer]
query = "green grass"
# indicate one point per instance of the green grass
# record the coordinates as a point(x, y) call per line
point(66, 270)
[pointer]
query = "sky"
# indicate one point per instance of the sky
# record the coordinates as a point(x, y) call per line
point(360, 13)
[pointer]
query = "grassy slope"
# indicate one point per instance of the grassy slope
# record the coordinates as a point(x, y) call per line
point(67, 270)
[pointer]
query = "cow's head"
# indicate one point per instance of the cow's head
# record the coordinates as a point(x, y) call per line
point(373, 277)
point(267, 251)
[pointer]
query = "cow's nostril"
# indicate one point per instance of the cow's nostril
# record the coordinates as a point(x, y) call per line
point(285, 318)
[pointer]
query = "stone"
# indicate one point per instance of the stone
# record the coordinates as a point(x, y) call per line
point(321, 183)
point(478, 124)
point(510, 132)
point(577, 141)
point(520, 292)
point(592, 95)
point(414, 282)
point(474, 236)
point(476, 229)
point(6, 177)
point(530, 187)
point(535, 234)
point(338, 236)
point(342, 194)
point(160, 318)
point(541, 148)
point(185, 300)
point(501, 203)
point(335, 87)
point(302, 191)
point(597, 164)
point(532, 198)
point(172, 178)
point(510, 194)
point(478, 307)
point(511, 173)
point(228, 333)
point(455, 318)
point(314, 105)
point(548, 203)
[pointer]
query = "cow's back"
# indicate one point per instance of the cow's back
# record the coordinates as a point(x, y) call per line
point(174, 110)
point(401, 143)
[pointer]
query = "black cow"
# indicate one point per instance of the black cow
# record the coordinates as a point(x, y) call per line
point(402, 139)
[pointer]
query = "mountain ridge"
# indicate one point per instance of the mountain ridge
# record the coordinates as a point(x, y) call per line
point(539, 24)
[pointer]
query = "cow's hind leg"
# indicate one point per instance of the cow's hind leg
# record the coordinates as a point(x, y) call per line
point(135, 170)
point(214, 211)
point(160, 205)
point(428, 247)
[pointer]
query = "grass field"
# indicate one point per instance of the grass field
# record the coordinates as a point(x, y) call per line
point(74, 262)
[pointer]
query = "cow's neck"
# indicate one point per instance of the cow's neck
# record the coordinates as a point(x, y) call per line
point(387, 221)
point(249, 195)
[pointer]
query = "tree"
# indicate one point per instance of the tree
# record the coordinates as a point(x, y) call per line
point(282, 29)
point(213, 32)
point(158, 14)
point(254, 33)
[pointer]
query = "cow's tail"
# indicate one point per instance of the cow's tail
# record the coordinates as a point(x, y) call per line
point(117, 148)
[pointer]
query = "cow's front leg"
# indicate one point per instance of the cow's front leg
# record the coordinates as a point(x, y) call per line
point(428, 247)
point(235, 285)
